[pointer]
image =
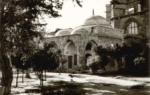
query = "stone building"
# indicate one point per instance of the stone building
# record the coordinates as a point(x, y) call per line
point(77, 43)
point(128, 14)
point(131, 16)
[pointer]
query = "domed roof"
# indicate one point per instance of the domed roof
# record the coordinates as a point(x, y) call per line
point(96, 20)
point(80, 30)
point(63, 32)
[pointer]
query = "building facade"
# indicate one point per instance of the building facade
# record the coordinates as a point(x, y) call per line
point(127, 14)
point(131, 16)
point(77, 43)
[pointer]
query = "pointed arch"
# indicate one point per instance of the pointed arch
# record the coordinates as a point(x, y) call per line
point(132, 26)
point(71, 51)
point(89, 50)
point(90, 45)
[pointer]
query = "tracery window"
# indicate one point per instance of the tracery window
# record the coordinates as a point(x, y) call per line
point(132, 28)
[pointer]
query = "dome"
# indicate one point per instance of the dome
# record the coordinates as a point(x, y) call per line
point(80, 30)
point(96, 20)
point(63, 32)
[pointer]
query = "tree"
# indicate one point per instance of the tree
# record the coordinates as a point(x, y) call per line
point(100, 59)
point(61, 60)
point(45, 59)
point(18, 25)
point(18, 63)
point(134, 47)
point(104, 54)
point(39, 62)
point(4, 60)
point(118, 54)
point(21, 63)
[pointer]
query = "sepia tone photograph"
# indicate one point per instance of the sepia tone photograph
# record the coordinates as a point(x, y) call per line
point(74, 47)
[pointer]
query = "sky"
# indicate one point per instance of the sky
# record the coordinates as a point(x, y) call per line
point(73, 15)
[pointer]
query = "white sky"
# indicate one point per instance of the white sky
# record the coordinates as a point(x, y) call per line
point(73, 15)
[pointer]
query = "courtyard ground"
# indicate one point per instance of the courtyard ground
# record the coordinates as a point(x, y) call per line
point(82, 84)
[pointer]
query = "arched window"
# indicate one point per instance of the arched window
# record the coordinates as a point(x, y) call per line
point(132, 28)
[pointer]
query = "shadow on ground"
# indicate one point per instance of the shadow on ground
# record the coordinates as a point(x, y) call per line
point(72, 88)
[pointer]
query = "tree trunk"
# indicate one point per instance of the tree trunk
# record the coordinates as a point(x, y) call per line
point(7, 74)
point(17, 77)
point(6, 67)
point(28, 74)
point(45, 75)
point(42, 77)
point(22, 75)
point(5, 63)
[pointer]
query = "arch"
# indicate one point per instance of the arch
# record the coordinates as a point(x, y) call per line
point(129, 23)
point(71, 51)
point(89, 51)
point(67, 42)
point(70, 48)
point(90, 44)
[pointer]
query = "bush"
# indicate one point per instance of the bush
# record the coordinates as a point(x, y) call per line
point(94, 67)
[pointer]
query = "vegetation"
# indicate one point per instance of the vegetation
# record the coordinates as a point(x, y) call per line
point(133, 48)
point(18, 63)
point(101, 59)
point(19, 24)
point(133, 51)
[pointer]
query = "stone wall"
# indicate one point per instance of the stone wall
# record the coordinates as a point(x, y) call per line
point(81, 43)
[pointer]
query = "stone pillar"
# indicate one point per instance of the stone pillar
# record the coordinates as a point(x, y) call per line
point(78, 56)
point(81, 56)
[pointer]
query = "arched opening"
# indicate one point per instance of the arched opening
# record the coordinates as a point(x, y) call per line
point(89, 50)
point(71, 52)
point(88, 46)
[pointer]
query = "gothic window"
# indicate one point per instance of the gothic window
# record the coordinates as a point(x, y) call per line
point(132, 28)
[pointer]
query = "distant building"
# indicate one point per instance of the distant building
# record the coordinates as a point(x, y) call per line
point(77, 43)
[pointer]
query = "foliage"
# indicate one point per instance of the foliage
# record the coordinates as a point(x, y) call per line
point(19, 24)
point(118, 52)
point(20, 21)
point(95, 66)
point(16, 60)
point(104, 54)
point(133, 48)
point(139, 60)
point(20, 62)
point(43, 60)
point(27, 63)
